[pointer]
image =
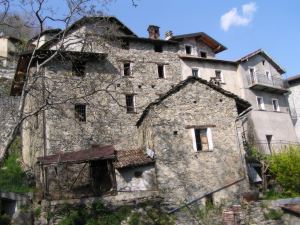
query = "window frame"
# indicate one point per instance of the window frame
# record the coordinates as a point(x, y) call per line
point(163, 75)
point(263, 104)
point(78, 113)
point(195, 69)
point(269, 75)
point(221, 75)
point(208, 133)
point(130, 109)
point(190, 48)
point(278, 107)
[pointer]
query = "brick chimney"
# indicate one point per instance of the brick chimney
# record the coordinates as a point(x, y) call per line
point(168, 35)
point(153, 32)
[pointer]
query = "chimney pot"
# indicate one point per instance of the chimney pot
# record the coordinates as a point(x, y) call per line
point(168, 35)
point(153, 32)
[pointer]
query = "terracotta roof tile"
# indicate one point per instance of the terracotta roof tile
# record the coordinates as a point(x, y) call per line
point(133, 157)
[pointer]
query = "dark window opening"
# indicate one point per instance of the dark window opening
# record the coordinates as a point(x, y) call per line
point(209, 200)
point(161, 71)
point(78, 68)
point(80, 113)
point(218, 74)
point(101, 176)
point(130, 103)
point(175, 132)
point(188, 49)
point(138, 174)
point(158, 48)
point(195, 72)
point(201, 139)
point(126, 68)
point(125, 45)
point(203, 54)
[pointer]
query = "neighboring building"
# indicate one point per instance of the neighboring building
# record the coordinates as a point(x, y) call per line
point(84, 106)
point(269, 125)
point(9, 48)
point(294, 102)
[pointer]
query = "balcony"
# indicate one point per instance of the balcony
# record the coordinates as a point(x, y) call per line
point(272, 84)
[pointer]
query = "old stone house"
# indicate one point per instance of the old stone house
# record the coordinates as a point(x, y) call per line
point(92, 114)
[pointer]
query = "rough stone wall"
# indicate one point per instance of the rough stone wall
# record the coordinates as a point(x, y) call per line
point(8, 114)
point(182, 173)
point(128, 181)
point(103, 90)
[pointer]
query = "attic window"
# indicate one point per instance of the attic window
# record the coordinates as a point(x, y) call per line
point(188, 49)
point(158, 48)
point(126, 69)
point(78, 68)
point(203, 54)
point(125, 45)
point(263, 62)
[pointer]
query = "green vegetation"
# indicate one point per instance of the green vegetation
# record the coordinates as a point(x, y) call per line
point(4, 219)
point(12, 177)
point(98, 214)
point(273, 214)
point(285, 167)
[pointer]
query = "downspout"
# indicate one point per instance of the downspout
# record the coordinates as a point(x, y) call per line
point(44, 115)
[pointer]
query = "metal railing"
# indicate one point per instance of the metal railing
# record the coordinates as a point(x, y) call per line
point(267, 81)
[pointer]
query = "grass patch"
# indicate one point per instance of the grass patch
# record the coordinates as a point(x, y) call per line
point(272, 194)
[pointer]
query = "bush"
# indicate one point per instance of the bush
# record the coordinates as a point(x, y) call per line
point(12, 177)
point(4, 220)
point(285, 167)
point(273, 214)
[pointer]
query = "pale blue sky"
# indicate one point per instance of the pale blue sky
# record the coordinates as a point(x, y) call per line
point(270, 25)
point(274, 27)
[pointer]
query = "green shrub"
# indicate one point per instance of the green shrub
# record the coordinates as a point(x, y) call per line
point(273, 214)
point(285, 167)
point(12, 177)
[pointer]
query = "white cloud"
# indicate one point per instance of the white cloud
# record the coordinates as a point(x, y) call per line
point(234, 18)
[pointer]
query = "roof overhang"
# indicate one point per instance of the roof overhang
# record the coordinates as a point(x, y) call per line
point(92, 154)
point(212, 60)
point(279, 68)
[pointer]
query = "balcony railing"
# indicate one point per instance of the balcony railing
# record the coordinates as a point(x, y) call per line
point(263, 80)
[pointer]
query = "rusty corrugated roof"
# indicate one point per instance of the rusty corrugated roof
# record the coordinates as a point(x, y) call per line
point(94, 153)
point(133, 157)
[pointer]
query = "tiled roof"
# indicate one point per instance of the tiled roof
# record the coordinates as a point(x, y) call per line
point(91, 154)
point(133, 157)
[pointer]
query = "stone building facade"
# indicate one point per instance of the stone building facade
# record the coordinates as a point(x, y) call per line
point(96, 87)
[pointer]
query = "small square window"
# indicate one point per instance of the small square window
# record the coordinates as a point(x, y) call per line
point(161, 71)
point(126, 69)
point(80, 112)
point(158, 48)
point(188, 49)
point(260, 103)
point(275, 105)
point(78, 68)
point(203, 54)
point(125, 45)
point(195, 72)
point(130, 103)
